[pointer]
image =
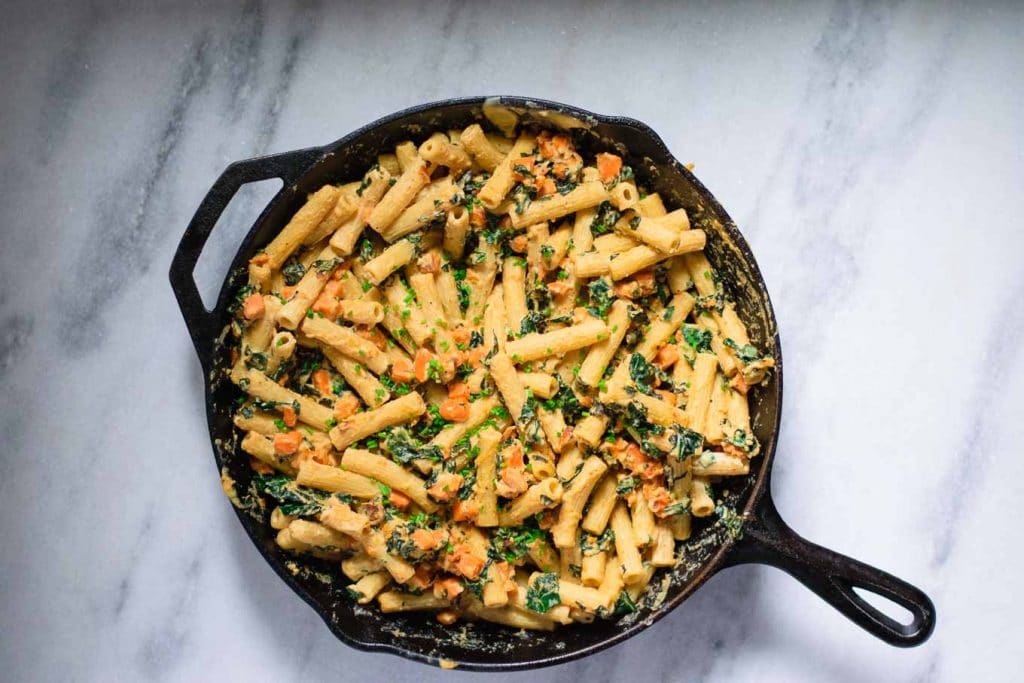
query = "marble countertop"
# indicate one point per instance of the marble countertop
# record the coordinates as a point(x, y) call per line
point(873, 156)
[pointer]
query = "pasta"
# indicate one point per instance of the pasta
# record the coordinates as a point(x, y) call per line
point(492, 378)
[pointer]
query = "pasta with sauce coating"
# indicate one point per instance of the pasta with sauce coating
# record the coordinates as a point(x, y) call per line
point(492, 378)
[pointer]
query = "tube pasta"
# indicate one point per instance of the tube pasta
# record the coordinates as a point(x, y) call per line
point(344, 209)
point(717, 415)
point(717, 464)
point(701, 502)
point(306, 292)
point(279, 520)
point(401, 301)
point(398, 601)
point(601, 353)
point(602, 502)
point(514, 290)
point(440, 151)
point(540, 384)
point(626, 545)
point(383, 470)
point(367, 588)
point(588, 431)
point(656, 232)
point(643, 521)
point(317, 535)
point(553, 424)
point(501, 180)
point(435, 203)
point(366, 313)
point(651, 206)
point(614, 243)
point(392, 259)
point(335, 480)
point(682, 480)
point(536, 345)
point(536, 237)
point(593, 568)
point(541, 496)
point(455, 229)
point(574, 496)
point(429, 299)
point(361, 425)
point(511, 616)
point(584, 196)
point(466, 448)
point(644, 256)
point(346, 342)
point(375, 183)
point(556, 247)
point(258, 385)
point(542, 555)
point(593, 264)
point(257, 336)
point(485, 154)
point(480, 278)
point(306, 220)
point(701, 385)
point(486, 472)
point(389, 163)
point(495, 322)
point(401, 194)
point(480, 410)
point(262, 448)
point(261, 423)
point(569, 463)
point(360, 565)
point(406, 154)
point(513, 392)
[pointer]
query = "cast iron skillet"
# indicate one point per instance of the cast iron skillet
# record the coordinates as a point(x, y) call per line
point(763, 537)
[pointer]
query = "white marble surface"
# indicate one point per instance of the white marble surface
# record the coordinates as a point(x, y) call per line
point(874, 157)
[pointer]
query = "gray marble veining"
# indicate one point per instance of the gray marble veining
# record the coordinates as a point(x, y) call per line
point(872, 153)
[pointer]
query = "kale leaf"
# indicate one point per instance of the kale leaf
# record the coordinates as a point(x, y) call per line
point(293, 272)
point(685, 442)
point(543, 593)
point(404, 448)
point(292, 498)
point(746, 353)
point(642, 373)
point(601, 298)
point(699, 338)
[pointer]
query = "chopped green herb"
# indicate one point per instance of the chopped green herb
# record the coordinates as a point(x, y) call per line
point(463, 288)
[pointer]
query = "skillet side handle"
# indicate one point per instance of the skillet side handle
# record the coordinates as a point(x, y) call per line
point(769, 540)
point(201, 322)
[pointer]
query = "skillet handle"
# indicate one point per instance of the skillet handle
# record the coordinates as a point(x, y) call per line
point(767, 539)
point(202, 323)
